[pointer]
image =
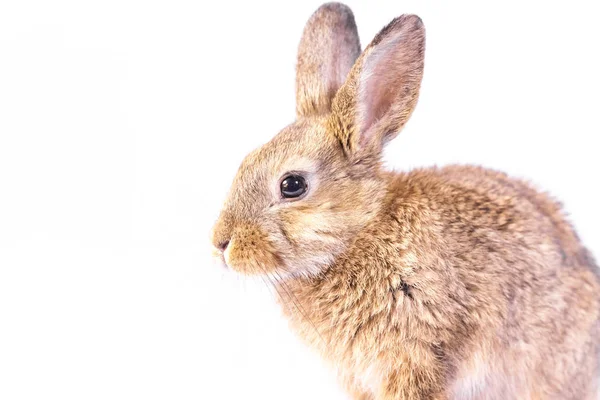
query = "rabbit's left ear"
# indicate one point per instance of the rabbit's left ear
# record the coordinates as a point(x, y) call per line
point(327, 51)
point(382, 89)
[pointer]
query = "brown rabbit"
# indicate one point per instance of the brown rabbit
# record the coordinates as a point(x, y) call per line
point(440, 283)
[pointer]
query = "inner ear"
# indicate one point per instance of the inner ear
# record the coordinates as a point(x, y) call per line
point(390, 80)
point(383, 87)
point(376, 91)
point(328, 49)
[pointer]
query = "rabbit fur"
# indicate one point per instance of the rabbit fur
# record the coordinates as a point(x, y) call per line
point(441, 283)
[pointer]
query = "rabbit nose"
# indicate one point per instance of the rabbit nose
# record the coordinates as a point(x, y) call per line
point(222, 246)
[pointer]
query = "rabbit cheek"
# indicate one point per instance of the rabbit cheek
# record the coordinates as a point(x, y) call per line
point(251, 253)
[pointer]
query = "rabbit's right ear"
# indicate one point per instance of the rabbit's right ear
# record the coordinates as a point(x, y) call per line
point(327, 51)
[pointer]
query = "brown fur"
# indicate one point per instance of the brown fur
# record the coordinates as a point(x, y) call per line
point(440, 283)
point(324, 60)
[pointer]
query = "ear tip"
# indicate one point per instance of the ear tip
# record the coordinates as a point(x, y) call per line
point(412, 18)
point(404, 23)
point(333, 16)
point(335, 9)
point(335, 6)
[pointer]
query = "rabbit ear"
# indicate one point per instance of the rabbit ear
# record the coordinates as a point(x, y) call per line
point(327, 51)
point(382, 89)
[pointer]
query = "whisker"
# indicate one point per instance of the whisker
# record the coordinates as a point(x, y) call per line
point(268, 284)
point(272, 284)
point(299, 307)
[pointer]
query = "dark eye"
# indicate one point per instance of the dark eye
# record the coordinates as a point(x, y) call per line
point(293, 186)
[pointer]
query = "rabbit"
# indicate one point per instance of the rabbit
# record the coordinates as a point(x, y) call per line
point(454, 282)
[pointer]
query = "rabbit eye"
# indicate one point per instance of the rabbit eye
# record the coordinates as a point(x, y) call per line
point(293, 186)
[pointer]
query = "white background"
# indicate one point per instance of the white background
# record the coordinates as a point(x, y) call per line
point(123, 122)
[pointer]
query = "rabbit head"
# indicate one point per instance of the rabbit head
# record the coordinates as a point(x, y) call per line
point(298, 201)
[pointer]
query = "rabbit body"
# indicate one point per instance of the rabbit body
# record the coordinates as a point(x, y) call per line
point(442, 283)
point(467, 285)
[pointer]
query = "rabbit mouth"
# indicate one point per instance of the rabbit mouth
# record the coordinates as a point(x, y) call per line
point(218, 258)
